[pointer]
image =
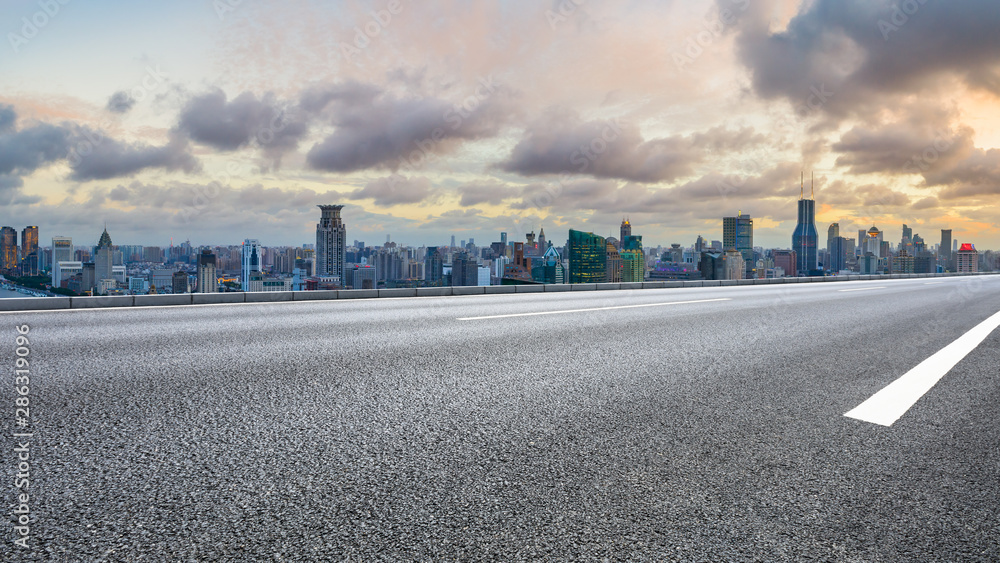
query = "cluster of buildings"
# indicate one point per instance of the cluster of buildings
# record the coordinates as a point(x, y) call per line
point(586, 257)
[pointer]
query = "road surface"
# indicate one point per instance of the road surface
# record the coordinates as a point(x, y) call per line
point(679, 424)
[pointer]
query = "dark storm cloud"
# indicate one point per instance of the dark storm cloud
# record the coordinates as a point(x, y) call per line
point(23, 151)
point(389, 132)
point(7, 118)
point(560, 142)
point(847, 56)
point(901, 148)
point(120, 102)
point(493, 193)
point(316, 98)
point(394, 190)
point(229, 125)
point(106, 158)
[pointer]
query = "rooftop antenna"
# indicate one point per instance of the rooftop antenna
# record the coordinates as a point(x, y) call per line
point(812, 187)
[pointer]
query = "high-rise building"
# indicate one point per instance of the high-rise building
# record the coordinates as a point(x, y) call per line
point(787, 260)
point(612, 264)
point(152, 254)
point(103, 259)
point(434, 266)
point(179, 282)
point(29, 251)
point(805, 237)
point(633, 259)
point(737, 234)
point(464, 270)
point(208, 280)
point(831, 235)
point(8, 249)
point(587, 257)
point(944, 252)
point(252, 261)
point(838, 249)
point(967, 259)
point(626, 231)
point(62, 251)
point(873, 243)
point(331, 243)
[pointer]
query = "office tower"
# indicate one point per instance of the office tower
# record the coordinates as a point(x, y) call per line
point(542, 243)
point(633, 259)
point(805, 237)
point(862, 235)
point(179, 282)
point(331, 243)
point(944, 252)
point(453, 241)
point(8, 249)
point(699, 245)
point(587, 257)
point(737, 234)
point(434, 266)
point(103, 260)
point(832, 233)
point(503, 238)
point(363, 277)
point(252, 261)
point(787, 261)
point(62, 251)
point(464, 270)
point(612, 264)
point(529, 243)
point(29, 251)
point(967, 259)
point(208, 280)
point(873, 243)
point(837, 251)
point(626, 231)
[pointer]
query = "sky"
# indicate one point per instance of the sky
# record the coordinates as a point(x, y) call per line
point(219, 120)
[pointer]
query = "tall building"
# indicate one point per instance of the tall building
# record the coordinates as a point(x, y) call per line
point(331, 243)
point(208, 280)
point(787, 261)
point(832, 233)
point(179, 282)
point(8, 249)
point(464, 270)
point(633, 259)
point(587, 257)
point(944, 252)
point(252, 260)
point(626, 231)
point(805, 237)
point(612, 263)
point(967, 259)
point(434, 266)
point(62, 251)
point(873, 243)
point(838, 249)
point(103, 259)
point(29, 251)
point(737, 234)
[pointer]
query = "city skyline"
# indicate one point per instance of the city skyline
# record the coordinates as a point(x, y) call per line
point(665, 114)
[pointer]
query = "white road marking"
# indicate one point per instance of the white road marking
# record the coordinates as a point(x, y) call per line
point(863, 288)
point(591, 309)
point(892, 402)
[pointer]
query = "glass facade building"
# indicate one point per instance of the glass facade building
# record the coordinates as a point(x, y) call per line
point(587, 257)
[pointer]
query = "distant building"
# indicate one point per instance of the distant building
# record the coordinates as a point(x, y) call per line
point(179, 282)
point(464, 270)
point(737, 234)
point(633, 259)
point(612, 263)
point(434, 266)
point(8, 249)
point(805, 237)
point(787, 260)
point(967, 259)
point(331, 242)
point(29, 251)
point(587, 257)
point(103, 260)
point(62, 251)
point(152, 254)
point(364, 277)
point(208, 280)
point(625, 231)
point(944, 251)
point(252, 260)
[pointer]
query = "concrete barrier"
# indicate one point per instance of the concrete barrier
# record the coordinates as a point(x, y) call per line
point(318, 295)
point(469, 289)
point(693, 283)
point(398, 292)
point(216, 298)
point(268, 296)
point(654, 285)
point(493, 289)
point(529, 288)
point(711, 283)
point(583, 287)
point(159, 300)
point(34, 303)
point(433, 291)
point(356, 293)
point(632, 285)
point(557, 287)
point(101, 302)
point(607, 286)
point(745, 282)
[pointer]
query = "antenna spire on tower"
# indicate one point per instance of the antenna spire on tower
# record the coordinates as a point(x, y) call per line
point(812, 187)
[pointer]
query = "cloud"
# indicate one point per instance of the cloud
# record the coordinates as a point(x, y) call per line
point(120, 102)
point(7, 118)
point(389, 132)
point(863, 53)
point(394, 190)
point(478, 193)
point(211, 120)
point(560, 142)
point(109, 158)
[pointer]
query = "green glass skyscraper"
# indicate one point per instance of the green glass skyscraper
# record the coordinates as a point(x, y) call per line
point(587, 257)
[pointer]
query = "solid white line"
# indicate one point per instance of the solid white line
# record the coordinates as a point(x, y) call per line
point(591, 309)
point(863, 288)
point(892, 402)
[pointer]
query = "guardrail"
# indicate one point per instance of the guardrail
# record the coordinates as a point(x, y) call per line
point(54, 303)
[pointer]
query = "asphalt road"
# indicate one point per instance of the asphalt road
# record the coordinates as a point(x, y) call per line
point(391, 430)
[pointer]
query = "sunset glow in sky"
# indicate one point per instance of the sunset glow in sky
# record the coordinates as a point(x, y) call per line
point(219, 120)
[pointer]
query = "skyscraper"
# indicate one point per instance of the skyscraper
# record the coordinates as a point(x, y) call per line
point(103, 260)
point(62, 251)
point(633, 259)
point(944, 252)
point(331, 243)
point(832, 234)
point(8, 249)
point(434, 266)
point(208, 281)
point(252, 259)
point(737, 234)
point(967, 259)
point(805, 236)
point(626, 231)
point(29, 251)
point(587, 257)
